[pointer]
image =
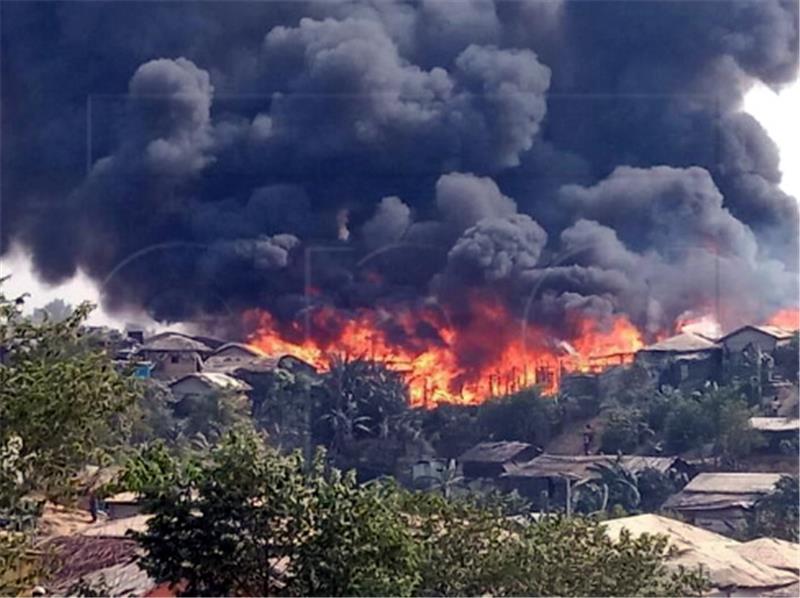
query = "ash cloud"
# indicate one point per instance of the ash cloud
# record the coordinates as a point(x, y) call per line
point(528, 148)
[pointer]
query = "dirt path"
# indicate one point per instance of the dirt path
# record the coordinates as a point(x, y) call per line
point(570, 441)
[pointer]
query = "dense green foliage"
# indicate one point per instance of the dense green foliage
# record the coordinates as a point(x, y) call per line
point(714, 420)
point(624, 432)
point(61, 401)
point(246, 520)
point(613, 488)
point(776, 514)
point(524, 416)
point(62, 406)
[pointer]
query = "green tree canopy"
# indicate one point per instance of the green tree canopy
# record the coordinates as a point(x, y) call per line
point(63, 401)
point(524, 416)
point(776, 514)
point(245, 520)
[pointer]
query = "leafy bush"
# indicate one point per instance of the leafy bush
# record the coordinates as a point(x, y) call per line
point(65, 402)
point(687, 426)
point(624, 431)
point(245, 520)
point(654, 488)
point(778, 514)
point(523, 416)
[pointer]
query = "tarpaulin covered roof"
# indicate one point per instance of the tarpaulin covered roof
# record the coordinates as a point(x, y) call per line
point(772, 551)
point(494, 452)
point(580, 467)
point(174, 342)
point(719, 556)
point(775, 424)
point(685, 342)
point(723, 490)
point(215, 380)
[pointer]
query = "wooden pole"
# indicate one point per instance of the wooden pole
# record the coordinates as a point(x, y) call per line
point(569, 498)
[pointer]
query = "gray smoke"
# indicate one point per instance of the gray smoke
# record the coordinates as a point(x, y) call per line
point(569, 156)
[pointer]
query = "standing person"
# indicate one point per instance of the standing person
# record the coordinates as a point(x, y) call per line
point(93, 507)
point(588, 436)
point(775, 406)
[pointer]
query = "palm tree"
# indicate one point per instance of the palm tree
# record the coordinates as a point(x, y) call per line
point(449, 479)
point(614, 482)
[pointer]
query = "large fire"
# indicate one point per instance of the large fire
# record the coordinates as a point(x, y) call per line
point(484, 354)
point(786, 318)
point(469, 358)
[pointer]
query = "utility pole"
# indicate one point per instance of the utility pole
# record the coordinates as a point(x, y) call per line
point(716, 289)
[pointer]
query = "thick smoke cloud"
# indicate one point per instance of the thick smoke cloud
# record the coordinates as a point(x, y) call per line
point(464, 200)
point(496, 249)
point(662, 208)
point(567, 155)
point(350, 88)
point(391, 220)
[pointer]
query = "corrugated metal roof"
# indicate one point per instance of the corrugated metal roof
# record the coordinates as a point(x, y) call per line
point(773, 331)
point(710, 501)
point(712, 491)
point(685, 342)
point(733, 483)
point(776, 331)
point(494, 452)
point(775, 424)
point(578, 467)
point(229, 365)
point(718, 555)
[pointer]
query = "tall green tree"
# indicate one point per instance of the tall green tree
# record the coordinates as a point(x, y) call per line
point(777, 514)
point(246, 520)
point(62, 406)
point(64, 402)
point(362, 417)
point(524, 416)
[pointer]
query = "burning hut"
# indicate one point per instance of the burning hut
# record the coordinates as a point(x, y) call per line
point(686, 361)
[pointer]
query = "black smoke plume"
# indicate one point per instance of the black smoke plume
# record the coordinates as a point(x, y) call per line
point(202, 158)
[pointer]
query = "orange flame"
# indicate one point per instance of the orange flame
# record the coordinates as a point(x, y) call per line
point(788, 318)
point(705, 325)
point(487, 354)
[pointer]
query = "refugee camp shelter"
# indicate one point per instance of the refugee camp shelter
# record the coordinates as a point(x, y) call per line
point(721, 501)
point(687, 360)
point(174, 354)
point(550, 473)
point(763, 567)
point(207, 383)
point(778, 432)
point(763, 338)
point(122, 505)
point(488, 459)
